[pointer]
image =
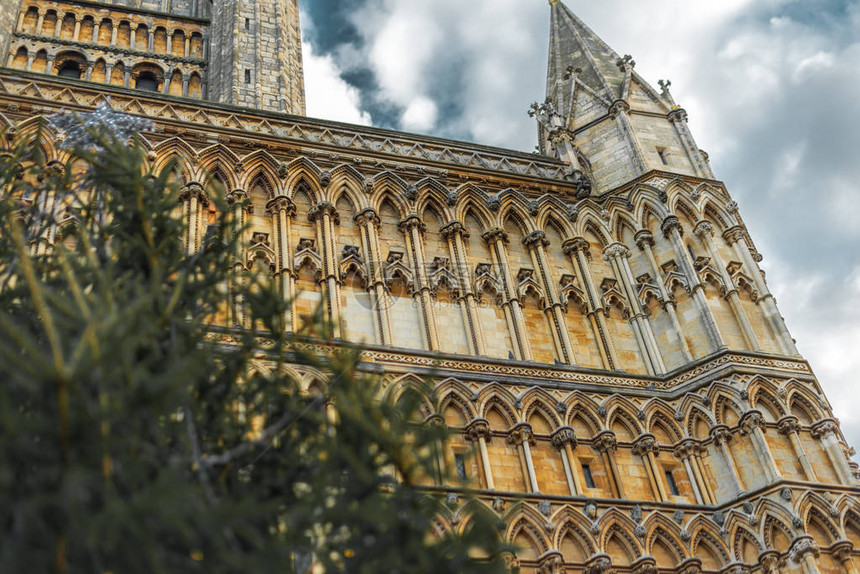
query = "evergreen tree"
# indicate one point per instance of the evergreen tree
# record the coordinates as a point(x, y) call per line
point(135, 436)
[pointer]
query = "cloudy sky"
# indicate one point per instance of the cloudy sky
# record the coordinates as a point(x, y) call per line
point(772, 88)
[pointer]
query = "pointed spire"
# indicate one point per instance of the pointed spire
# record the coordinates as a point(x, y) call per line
point(575, 49)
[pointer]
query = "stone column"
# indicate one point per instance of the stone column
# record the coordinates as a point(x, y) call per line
point(127, 78)
point(454, 233)
point(169, 42)
point(688, 451)
point(413, 228)
point(168, 76)
point(769, 561)
point(537, 243)
point(30, 58)
point(187, 46)
point(368, 224)
point(282, 209)
point(751, 424)
point(50, 66)
point(479, 432)
point(678, 118)
point(645, 242)
point(736, 237)
point(842, 550)
point(108, 72)
point(804, 551)
point(40, 21)
point(150, 46)
point(132, 36)
point(96, 27)
point(564, 440)
point(89, 74)
point(77, 32)
point(579, 251)
point(789, 426)
point(673, 231)
point(113, 34)
point(721, 435)
point(59, 25)
point(497, 241)
point(185, 80)
point(193, 198)
point(326, 217)
point(646, 448)
point(606, 444)
point(825, 432)
point(521, 435)
point(618, 256)
point(240, 208)
point(21, 16)
point(705, 231)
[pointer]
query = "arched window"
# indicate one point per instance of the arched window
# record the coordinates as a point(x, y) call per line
point(70, 65)
point(148, 77)
point(147, 82)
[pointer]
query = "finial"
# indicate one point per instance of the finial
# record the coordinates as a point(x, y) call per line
point(626, 63)
point(665, 85)
point(554, 2)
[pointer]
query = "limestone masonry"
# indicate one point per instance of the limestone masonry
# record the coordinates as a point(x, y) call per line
point(602, 340)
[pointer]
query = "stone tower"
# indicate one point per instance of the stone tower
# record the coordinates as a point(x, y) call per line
point(242, 53)
point(257, 55)
point(619, 384)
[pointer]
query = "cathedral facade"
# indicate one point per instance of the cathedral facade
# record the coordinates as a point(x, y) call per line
point(621, 386)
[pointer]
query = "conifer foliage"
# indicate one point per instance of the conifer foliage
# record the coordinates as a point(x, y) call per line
point(137, 436)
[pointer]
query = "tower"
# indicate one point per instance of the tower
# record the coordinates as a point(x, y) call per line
point(619, 384)
point(239, 53)
point(619, 121)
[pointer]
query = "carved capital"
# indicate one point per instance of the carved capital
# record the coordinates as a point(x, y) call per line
point(598, 564)
point(671, 224)
point(453, 228)
point(788, 425)
point(575, 245)
point(410, 222)
point(704, 229)
point(552, 562)
point(644, 238)
point(366, 216)
point(604, 441)
point(721, 434)
point(824, 427)
point(477, 429)
point(645, 565)
point(281, 203)
point(521, 433)
point(734, 234)
point(236, 196)
point(750, 422)
point(645, 443)
point(495, 235)
point(618, 107)
point(322, 209)
point(802, 547)
point(770, 560)
point(842, 550)
point(690, 566)
point(194, 190)
point(677, 115)
point(616, 251)
point(564, 436)
point(686, 448)
point(534, 238)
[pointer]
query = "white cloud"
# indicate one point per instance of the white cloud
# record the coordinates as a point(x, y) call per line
point(420, 115)
point(327, 94)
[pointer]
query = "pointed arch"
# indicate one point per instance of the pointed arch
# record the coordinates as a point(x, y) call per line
point(495, 395)
point(432, 193)
point(538, 400)
point(572, 536)
point(261, 164)
point(526, 531)
point(473, 199)
point(581, 407)
point(219, 160)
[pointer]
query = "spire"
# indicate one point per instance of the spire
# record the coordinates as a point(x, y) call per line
point(576, 51)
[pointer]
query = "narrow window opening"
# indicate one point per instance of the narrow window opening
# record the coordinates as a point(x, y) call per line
point(460, 461)
point(147, 82)
point(589, 478)
point(673, 486)
point(662, 153)
point(70, 70)
point(247, 23)
point(247, 76)
point(690, 250)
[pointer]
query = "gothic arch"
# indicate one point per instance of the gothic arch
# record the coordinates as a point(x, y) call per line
point(261, 164)
point(473, 199)
point(537, 399)
point(219, 159)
